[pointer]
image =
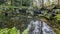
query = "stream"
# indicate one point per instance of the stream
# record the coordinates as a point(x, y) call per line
point(39, 27)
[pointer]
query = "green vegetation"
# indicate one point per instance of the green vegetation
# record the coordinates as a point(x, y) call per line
point(10, 15)
point(25, 31)
point(12, 31)
point(9, 31)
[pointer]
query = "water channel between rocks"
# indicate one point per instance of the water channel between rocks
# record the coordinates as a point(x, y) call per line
point(39, 27)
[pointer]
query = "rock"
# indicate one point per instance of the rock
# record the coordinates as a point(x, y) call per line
point(49, 4)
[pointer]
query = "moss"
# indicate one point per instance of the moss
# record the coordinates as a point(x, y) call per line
point(57, 31)
point(57, 16)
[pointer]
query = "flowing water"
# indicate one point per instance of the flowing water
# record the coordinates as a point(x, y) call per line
point(39, 27)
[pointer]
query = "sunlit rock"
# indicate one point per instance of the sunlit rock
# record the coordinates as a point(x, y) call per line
point(49, 4)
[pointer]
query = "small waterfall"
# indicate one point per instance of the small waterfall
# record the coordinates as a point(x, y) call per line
point(47, 29)
point(38, 27)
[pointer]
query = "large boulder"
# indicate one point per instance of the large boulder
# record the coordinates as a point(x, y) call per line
point(46, 4)
point(49, 4)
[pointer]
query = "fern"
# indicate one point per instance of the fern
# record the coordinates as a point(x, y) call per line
point(25, 31)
